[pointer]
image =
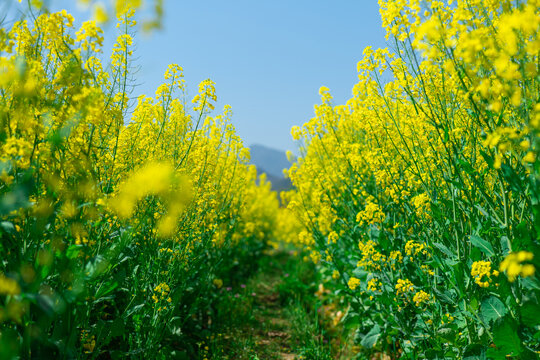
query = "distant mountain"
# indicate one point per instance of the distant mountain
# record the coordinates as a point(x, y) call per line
point(279, 184)
point(272, 162)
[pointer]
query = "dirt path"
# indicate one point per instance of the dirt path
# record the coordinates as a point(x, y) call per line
point(275, 316)
point(273, 335)
point(261, 327)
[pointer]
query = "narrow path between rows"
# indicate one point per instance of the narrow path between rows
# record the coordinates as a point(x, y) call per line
point(273, 335)
point(275, 315)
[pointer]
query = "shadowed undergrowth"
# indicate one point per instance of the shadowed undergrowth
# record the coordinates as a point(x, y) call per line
point(276, 314)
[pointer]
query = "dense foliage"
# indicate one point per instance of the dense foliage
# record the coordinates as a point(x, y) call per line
point(127, 225)
point(421, 194)
point(119, 224)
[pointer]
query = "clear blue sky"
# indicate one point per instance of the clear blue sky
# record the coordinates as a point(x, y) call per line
point(267, 58)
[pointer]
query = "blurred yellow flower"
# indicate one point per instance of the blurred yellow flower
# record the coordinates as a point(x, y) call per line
point(513, 266)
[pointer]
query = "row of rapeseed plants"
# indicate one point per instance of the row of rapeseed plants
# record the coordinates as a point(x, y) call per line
point(119, 222)
point(421, 196)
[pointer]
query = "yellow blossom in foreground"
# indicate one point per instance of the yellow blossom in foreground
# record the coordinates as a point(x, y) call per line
point(152, 179)
point(513, 266)
point(374, 284)
point(479, 270)
point(100, 14)
point(371, 214)
point(9, 286)
point(420, 297)
point(122, 6)
point(218, 283)
point(404, 286)
point(353, 283)
point(161, 291)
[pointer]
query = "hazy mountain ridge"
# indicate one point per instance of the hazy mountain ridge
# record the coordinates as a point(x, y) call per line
point(271, 162)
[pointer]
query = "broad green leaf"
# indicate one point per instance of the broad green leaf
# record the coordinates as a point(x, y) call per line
point(474, 352)
point(73, 251)
point(105, 289)
point(492, 309)
point(7, 227)
point(16, 199)
point(117, 327)
point(447, 296)
point(496, 353)
point(351, 321)
point(134, 309)
point(530, 313)
point(505, 245)
point(371, 337)
point(483, 245)
point(445, 250)
point(450, 262)
point(474, 303)
point(506, 337)
point(446, 333)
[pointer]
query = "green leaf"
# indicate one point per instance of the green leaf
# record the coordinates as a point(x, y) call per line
point(351, 321)
point(73, 251)
point(465, 165)
point(450, 262)
point(492, 309)
point(531, 283)
point(446, 333)
point(447, 296)
point(445, 250)
point(483, 245)
point(474, 303)
point(530, 313)
point(487, 157)
point(506, 337)
point(106, 288)
point(44, 271)
point(474, 352)
point(514, 180)
point(16, 199)
point(117, 327)
point(505, 245)
point(371, 337)
point(134, 309)
point(496, 353)
point(7, 227)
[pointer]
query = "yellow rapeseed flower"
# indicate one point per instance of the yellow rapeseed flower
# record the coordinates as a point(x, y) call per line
point(420, 297)
point(513, 266)
point(218, 283)
point(353, 283)
point(9, 286)
point(480, 269)
point(404, 286)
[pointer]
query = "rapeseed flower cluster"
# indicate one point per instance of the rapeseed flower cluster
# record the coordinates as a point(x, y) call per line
point(438, 142)
point(161, 292)
point(100, 196)
point(481, 272)
point(353, 283)
point(420, 297)
point(404, 286)
point(514, 267)
point(9, 286)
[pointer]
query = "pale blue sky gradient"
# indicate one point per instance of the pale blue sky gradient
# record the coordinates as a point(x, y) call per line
point(267, 58)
